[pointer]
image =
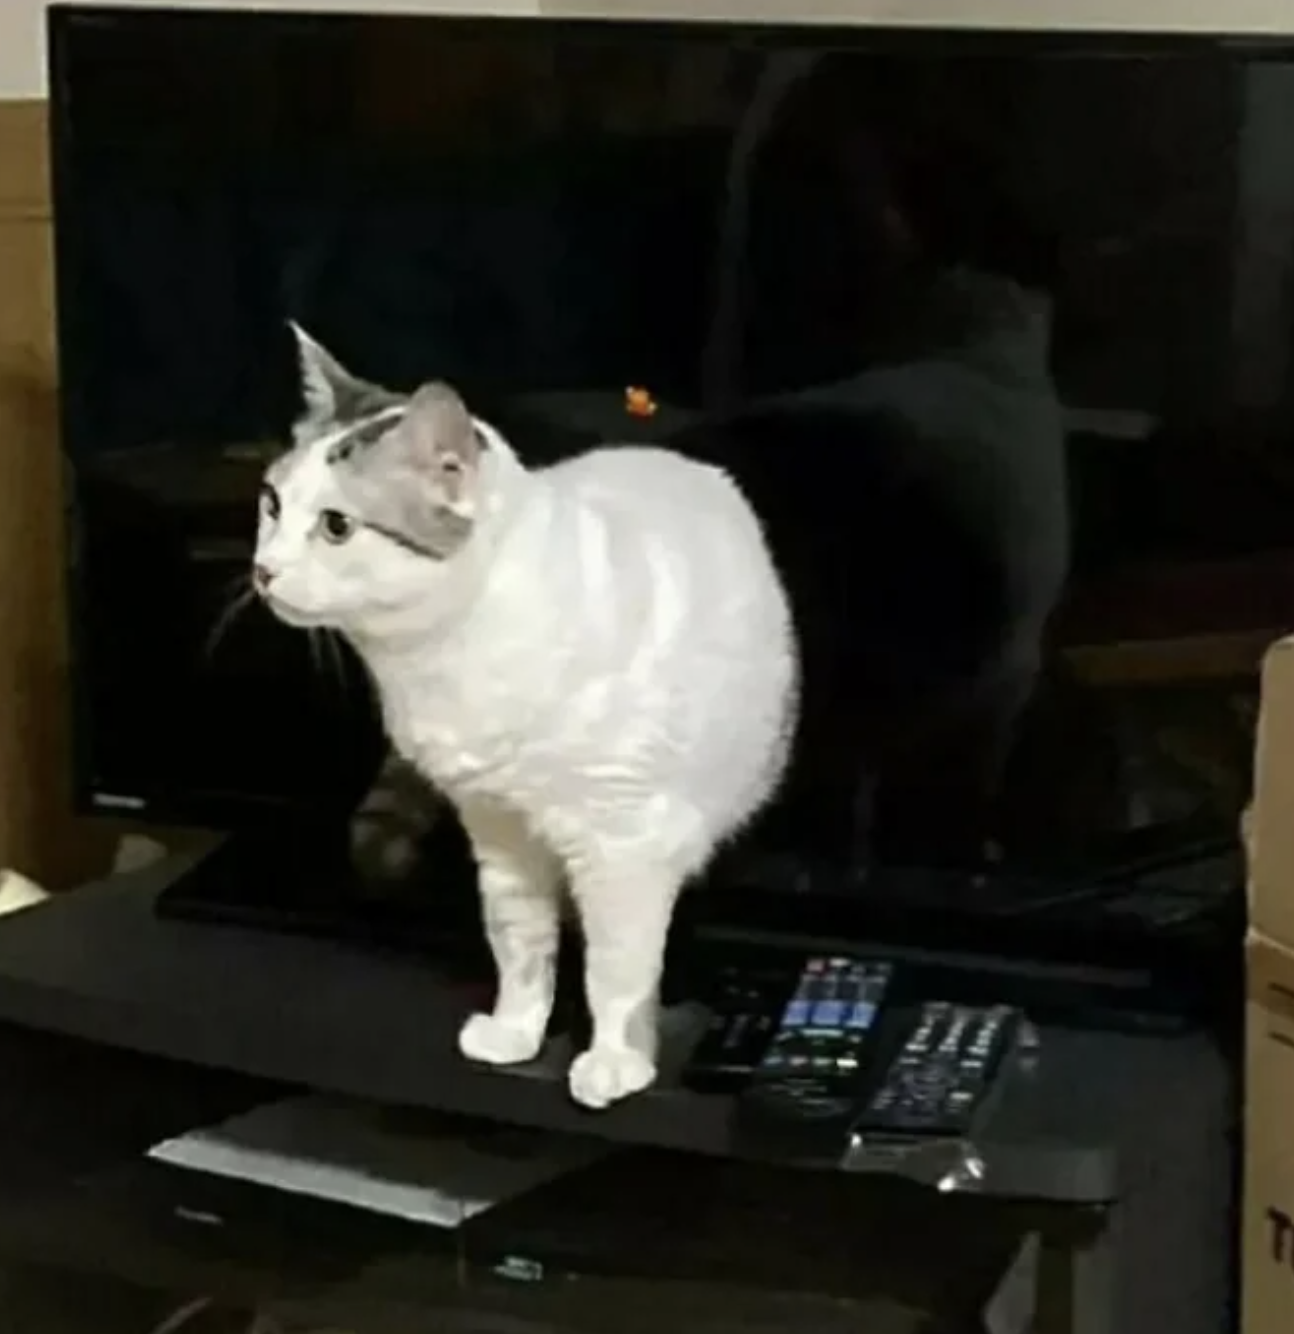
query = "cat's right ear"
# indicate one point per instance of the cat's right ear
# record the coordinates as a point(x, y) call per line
point(329, 392)
point(323, 377)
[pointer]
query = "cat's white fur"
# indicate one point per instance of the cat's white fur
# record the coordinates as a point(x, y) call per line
point(602, 679)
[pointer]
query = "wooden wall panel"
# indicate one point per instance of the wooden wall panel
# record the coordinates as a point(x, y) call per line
point(38, 833)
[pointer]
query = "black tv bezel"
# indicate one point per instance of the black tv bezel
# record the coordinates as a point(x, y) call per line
point(165, 805)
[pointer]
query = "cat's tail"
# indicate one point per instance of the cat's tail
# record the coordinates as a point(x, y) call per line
point(389, 826)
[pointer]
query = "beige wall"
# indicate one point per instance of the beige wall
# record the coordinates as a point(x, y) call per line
point(22, 58)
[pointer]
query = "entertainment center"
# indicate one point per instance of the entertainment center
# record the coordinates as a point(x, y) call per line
point(991, 1087)
point(1111, 1155)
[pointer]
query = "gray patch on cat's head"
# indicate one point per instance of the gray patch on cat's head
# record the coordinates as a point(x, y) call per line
point(408, 465)
point(415, 476)
point(331, 395)
point(363, 434)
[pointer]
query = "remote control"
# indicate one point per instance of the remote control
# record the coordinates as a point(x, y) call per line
point(744, 1013)
point(936, 1080)
point(806, 1085)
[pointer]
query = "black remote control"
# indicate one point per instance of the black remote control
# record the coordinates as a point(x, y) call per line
point(937, 1079)
point(744, 1009)
point(806, 1086)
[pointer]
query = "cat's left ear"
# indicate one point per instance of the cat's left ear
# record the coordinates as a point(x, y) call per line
point(443, 446)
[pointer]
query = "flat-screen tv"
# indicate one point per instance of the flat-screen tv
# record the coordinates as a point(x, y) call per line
point(1023, 306)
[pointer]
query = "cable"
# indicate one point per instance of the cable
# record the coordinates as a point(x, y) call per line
point(261, 1322)
point(182, 1316)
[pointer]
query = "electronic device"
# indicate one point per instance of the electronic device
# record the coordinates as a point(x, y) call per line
point(823, 1031)
point(840, 1062)
point(933, 1086)
point(757, 1029)
point(570, 220)
point(936, 1081)
point(745, 997)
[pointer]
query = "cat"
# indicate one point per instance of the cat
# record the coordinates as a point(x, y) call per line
point(595, 662)
point(918, 515)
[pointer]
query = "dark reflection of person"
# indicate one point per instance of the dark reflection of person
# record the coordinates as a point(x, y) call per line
point(884, 383)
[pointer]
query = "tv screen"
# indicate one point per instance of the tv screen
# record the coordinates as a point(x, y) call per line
point(1023, 308)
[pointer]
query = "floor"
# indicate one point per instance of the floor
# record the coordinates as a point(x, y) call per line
point(43, 1302)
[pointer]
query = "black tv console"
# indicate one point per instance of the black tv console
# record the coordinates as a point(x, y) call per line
point(1108, 1135)
point(101, 964)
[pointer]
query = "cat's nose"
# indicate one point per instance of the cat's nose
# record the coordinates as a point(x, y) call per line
point(261, 578)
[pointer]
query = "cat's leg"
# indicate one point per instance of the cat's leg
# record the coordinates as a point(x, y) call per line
point(520, 890)
point(625, 912)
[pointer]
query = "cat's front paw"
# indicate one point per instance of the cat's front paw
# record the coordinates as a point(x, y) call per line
point(601, 1076)
point(498, 1042)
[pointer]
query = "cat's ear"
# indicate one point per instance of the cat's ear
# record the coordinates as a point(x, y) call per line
point(323, 377)
point(329, 391)
point(443, 446)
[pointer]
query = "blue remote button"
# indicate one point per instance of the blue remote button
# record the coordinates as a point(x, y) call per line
point(862, 1014)
point(829, 1014)
point(796, 1014)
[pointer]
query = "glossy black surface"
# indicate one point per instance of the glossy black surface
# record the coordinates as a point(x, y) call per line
point(100, 965)
point(960, 313)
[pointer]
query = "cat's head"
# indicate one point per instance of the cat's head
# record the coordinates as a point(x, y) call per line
point(369, 509)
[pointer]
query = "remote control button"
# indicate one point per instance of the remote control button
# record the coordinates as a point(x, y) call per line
point(828, 1014)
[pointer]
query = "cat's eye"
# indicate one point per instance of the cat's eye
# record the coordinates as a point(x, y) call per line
point(336, 526)
point(270, 504)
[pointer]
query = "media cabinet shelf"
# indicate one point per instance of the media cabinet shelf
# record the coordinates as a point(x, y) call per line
point(99, 965)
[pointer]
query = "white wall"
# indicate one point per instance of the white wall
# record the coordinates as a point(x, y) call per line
point(22, 72)
point(22, 61)
point(22, 26)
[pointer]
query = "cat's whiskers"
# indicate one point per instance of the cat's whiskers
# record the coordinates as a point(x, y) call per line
point(315, 652)
point(325, 657)
point(336, 658)
point(240, 597)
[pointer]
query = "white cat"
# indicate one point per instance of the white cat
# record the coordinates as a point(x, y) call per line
point(594, 662)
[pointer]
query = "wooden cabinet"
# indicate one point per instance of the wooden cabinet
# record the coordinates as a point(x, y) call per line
point(38, 833)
